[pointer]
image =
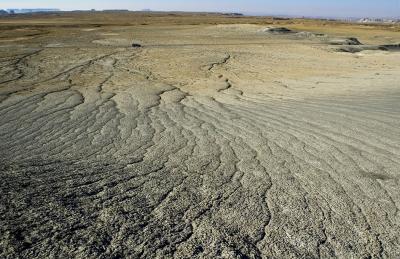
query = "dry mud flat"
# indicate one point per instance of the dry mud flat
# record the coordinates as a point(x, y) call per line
point(208, 141)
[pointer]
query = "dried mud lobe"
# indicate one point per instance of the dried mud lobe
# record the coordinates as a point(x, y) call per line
point(186, 148)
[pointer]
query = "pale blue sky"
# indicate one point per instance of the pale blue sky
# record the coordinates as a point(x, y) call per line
point(337, 8)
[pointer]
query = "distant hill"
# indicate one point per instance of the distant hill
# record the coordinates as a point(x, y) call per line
point(38, 10)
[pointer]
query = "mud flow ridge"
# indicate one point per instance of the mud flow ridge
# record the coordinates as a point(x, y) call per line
point(262, 147)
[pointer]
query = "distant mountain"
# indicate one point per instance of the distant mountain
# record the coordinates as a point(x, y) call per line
point(39, 10)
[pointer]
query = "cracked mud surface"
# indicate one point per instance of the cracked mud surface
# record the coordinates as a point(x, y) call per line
point(209, 141)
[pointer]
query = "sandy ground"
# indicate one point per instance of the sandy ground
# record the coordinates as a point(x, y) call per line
point(209, 141)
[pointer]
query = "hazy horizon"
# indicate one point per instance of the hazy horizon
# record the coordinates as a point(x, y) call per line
point(340, 8)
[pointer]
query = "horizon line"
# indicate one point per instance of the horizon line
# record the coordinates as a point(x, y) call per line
point(221, 12)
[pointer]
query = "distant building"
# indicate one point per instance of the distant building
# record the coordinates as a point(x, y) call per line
point(378, 20)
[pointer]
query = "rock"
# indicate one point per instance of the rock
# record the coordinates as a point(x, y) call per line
point(359, 48)
point(277, 30)
point(306, 34)
point(345, 41)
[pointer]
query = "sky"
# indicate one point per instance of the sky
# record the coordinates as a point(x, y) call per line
point(327, 8)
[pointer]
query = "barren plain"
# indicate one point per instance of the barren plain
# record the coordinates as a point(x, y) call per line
point(214, 137)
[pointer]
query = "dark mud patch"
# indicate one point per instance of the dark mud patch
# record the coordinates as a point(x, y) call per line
point(391, 47)
point(356, 49)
